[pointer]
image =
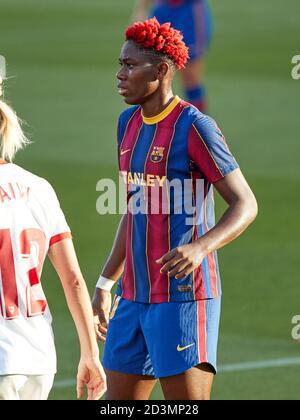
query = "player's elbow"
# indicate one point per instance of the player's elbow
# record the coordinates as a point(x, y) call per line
point(250, 207)
point(74, 279)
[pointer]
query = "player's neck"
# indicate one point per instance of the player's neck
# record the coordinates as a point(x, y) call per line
point(157, 103)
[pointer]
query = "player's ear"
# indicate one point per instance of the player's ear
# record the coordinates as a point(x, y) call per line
point(162, 70)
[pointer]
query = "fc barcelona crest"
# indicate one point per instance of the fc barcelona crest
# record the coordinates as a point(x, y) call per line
point(157, 154)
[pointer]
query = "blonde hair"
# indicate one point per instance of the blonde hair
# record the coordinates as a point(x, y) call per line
point(12, 137)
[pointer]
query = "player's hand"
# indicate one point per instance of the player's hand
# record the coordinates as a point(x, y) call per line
point(101, 307)
point(91, 374)
point(182, 261)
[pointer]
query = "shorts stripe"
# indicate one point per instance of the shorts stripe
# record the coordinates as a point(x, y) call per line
point(114, 306)
point(201, 315)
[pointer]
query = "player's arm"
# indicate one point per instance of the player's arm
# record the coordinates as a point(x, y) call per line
point(208, 149)
point(141, 9)
point(112, 270)
point(90, 372)
point(114, 265)
point(242, 210)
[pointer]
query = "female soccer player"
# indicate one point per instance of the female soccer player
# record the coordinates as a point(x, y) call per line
point(165, 318)
point(32, 225)
point(193, 18)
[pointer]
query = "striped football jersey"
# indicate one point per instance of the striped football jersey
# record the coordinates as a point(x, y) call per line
point(169, 164)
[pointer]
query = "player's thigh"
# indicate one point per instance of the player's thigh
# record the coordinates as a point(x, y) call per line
point(194, 384)
point(126, 356)
point(182, 335)
point(10, 385)
point(123, 386)
point(37, 387)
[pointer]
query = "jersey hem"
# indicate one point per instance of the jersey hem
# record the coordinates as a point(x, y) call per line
point(166, 299)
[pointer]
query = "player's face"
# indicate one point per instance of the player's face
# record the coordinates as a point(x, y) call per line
point(137, 77)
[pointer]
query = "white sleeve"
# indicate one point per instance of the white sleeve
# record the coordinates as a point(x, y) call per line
point(59, 228)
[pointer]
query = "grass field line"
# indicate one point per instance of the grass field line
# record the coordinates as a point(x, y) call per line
point(263, 364)
point(234, 367)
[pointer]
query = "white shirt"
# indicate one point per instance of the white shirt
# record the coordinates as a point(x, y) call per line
point(31, 220)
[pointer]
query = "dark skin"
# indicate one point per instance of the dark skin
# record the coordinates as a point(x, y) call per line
point(150, 85)
point(142, 83)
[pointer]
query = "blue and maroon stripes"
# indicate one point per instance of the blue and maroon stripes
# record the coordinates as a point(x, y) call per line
point(158, 228)
point(128, 143)
point(140, 228)
point(199, 287)
point(208, 149)
point(183, 146)
point(180, 232)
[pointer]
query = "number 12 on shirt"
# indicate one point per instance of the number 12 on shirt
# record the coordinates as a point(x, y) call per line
point(27, 266)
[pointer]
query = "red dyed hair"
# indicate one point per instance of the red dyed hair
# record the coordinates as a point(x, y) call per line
point(161, 38)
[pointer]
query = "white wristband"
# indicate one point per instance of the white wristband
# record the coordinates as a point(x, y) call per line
point(105, 284)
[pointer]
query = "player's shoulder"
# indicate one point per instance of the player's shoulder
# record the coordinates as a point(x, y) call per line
point(193, 114)
point(25, 174)
point(127, 113)
point(197, 119)
point(124, 119)
point(31, 179)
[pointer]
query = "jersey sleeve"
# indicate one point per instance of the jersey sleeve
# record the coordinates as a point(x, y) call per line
point(208, 149)
point(119, 141)
point(58, 226)
point(123, 122)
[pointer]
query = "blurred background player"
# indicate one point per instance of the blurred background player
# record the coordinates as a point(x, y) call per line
point(165, 318)
point(32, 225)
point(193, 18)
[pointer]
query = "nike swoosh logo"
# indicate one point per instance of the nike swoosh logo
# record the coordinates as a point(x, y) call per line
point(179, 348)
point(124, 151)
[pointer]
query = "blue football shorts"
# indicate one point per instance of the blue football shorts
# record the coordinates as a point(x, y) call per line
point(194, 20)
point(161, 339)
